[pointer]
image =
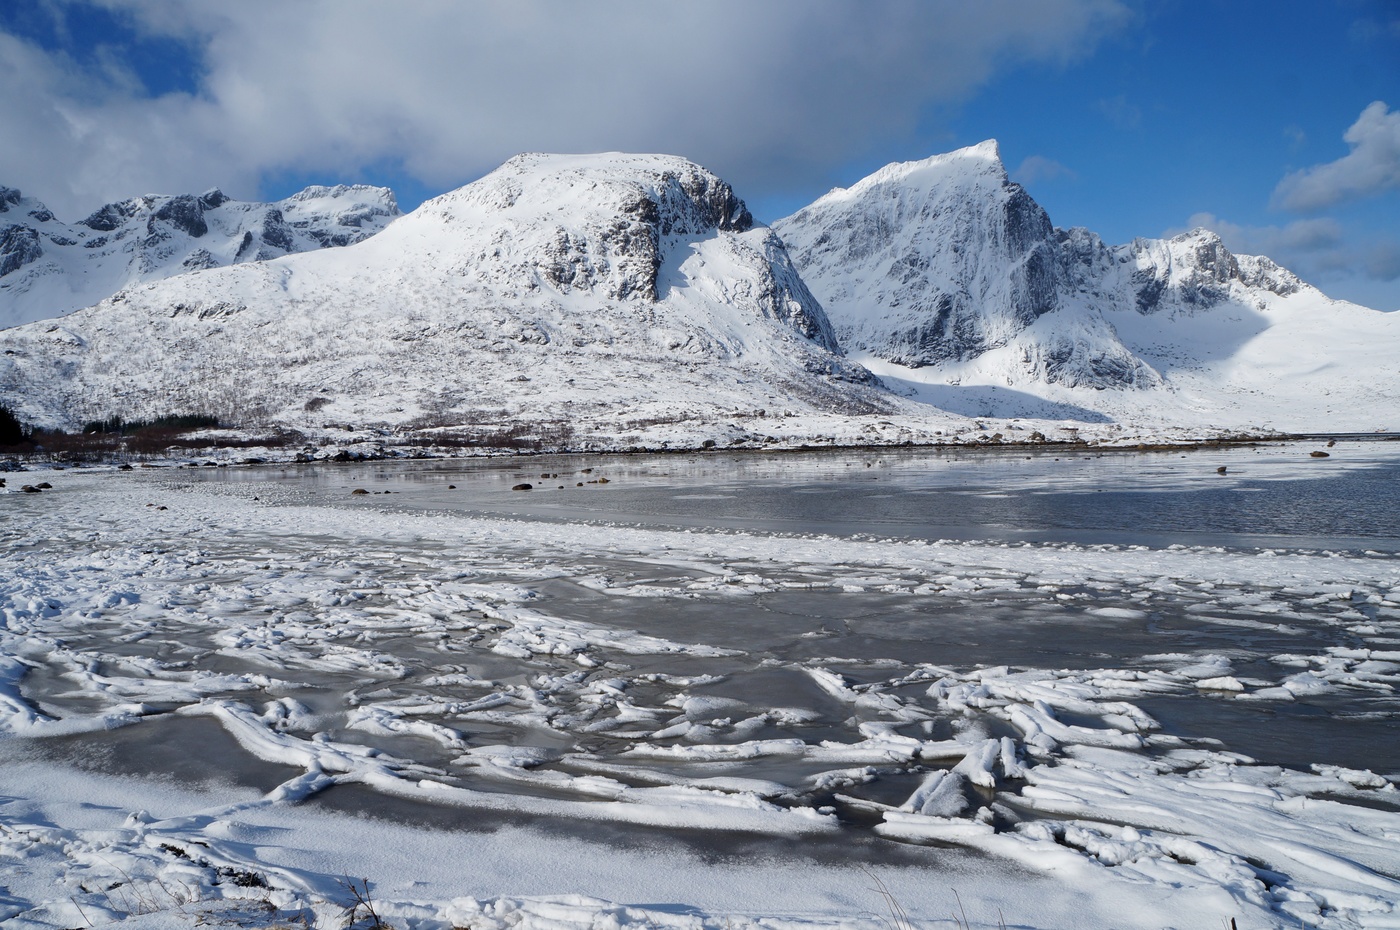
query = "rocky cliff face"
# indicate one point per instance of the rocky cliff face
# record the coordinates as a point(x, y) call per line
point(928, 261)
point(943, 261)
point(49, 268)
point(1194, 271)
point(558, 288)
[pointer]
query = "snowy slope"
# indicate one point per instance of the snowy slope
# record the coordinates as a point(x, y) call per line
point(945, 275)
point(558, 289)
point(49, 268)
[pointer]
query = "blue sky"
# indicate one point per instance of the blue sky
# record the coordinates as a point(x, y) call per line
point(1276, 124)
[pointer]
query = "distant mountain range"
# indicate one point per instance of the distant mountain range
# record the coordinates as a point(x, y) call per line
point(615, 293)
point(49, 268)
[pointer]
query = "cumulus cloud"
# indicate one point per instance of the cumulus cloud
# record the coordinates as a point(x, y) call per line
point(1122, 113)
point(1311, 235)
point(768, 94)
point(1035, 169)
point(1371, 167)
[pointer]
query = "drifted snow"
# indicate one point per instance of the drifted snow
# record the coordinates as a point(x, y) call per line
point(412, 656)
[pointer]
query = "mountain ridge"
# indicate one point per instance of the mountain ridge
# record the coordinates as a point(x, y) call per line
point(945, 274)
point(568, 289)
point(49, 268)
point(613, 293)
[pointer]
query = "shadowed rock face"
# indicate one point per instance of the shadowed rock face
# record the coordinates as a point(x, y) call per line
point(695, 202)
point(931, 261)
point(185, 213)
point(623, 253)
point(109, 216)
point(19, 245)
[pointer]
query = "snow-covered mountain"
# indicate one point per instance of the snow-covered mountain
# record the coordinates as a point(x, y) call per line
point(560, 289)
point(49, 268)
point(948, 276)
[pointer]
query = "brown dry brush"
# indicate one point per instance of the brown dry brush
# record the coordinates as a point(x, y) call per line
point(361, 906)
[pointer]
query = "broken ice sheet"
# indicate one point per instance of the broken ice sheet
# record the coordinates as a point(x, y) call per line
point(639, 683)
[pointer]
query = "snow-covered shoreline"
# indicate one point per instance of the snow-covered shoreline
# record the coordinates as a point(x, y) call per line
point(770, 437)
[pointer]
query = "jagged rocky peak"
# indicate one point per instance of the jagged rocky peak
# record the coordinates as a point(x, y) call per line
point(676, 195)
point(49, 268)
point(947, 263)
point(184, 212)
point(364, 194)
point(20, 243)
point(344, 207)
point(589, 222)
point(929, 261)
point(1195, 271)
point(19, 246)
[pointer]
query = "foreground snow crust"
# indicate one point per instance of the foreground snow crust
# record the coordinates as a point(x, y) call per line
point(402, 657)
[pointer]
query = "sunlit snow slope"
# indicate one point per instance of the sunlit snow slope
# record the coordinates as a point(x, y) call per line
point(49, 268)
point(945, 275)
point(559, 289)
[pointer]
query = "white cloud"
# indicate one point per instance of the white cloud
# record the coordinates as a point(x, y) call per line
point(1371, 167)
point(1035, 169)
point(1299, 236)
point(74, 147)
point(1122, 113)
point(766, 94)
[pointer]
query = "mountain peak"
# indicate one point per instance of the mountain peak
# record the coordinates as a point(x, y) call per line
point(1199, 235)
point(974, 161)
point(360, 193)
point(573, 290)
point(666, 194)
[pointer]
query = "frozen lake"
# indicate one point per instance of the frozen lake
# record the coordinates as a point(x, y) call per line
point(1080, 688)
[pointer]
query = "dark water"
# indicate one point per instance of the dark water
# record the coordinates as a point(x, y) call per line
point(1270, 495)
